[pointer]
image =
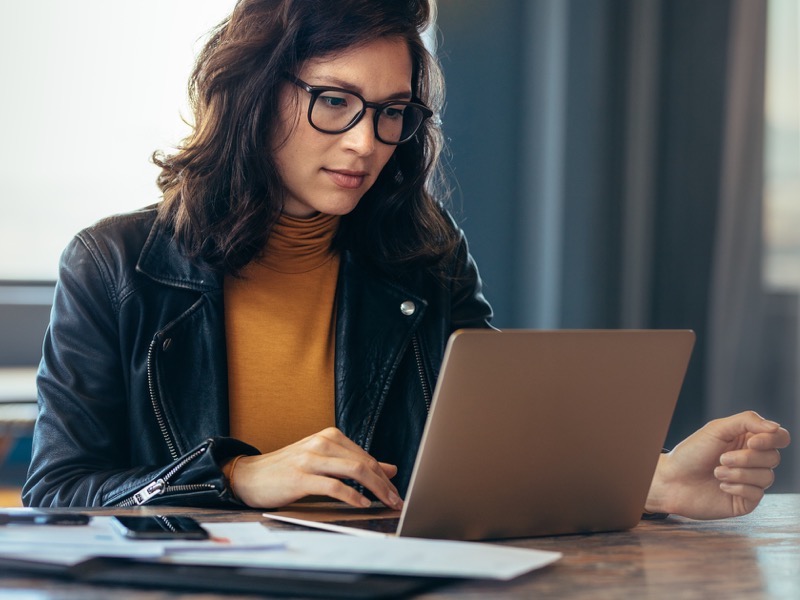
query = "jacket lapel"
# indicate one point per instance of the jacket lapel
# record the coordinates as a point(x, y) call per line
point(372, 333)
point(162, 260)
point(188, 352)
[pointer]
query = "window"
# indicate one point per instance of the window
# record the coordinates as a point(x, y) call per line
point(782, 161)
point(90, 89)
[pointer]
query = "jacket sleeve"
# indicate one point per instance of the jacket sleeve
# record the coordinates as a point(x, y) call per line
point(81, 442)
point(469, 308)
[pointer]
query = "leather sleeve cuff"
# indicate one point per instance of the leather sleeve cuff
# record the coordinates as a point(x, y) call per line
point(648, 516)
point(654, 516)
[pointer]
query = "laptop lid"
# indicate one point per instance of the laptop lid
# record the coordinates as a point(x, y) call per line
point(537, 433)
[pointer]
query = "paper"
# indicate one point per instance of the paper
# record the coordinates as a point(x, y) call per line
point(253, 545)
point(401, 556)
point(70, 544)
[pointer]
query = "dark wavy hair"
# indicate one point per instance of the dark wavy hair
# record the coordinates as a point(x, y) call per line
point(222, 190)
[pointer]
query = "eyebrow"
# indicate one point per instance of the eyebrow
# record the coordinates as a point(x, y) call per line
point(335, 81)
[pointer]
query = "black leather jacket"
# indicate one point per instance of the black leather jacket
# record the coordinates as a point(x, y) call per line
point(133, 389)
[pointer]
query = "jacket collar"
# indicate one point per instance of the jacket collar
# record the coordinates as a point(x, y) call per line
point(163, 261)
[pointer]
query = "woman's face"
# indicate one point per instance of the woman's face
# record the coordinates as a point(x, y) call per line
point(329, 173)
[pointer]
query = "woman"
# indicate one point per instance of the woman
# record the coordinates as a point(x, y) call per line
point(272, 330)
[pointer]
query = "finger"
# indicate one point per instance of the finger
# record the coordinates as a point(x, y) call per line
point(333, 488)
point(332, 442)
point(344, 447)
point(357, 464)
point(765, 441)
point(363, 472)
point(750, 495)
point(729, 428)
point(761, 478)
point(751, 458)
point(389, 470)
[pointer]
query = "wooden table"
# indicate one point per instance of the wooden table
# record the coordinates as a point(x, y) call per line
point(757, 556)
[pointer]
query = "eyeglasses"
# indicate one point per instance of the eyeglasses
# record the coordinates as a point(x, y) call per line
point(334, 110)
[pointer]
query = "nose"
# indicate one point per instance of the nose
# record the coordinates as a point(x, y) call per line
point(361, 138)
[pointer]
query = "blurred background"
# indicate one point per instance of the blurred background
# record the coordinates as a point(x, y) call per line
point(614, 163)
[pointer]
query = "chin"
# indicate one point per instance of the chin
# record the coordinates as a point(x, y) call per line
point(308, 209)
point(338, 207)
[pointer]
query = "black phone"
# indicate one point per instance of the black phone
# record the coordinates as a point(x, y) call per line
point(36, 517)
point(160, 527)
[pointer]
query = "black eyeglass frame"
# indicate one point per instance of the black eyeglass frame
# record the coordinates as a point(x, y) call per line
point(316, 90)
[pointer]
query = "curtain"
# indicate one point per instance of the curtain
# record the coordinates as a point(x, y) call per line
point(608, 160)
point(736, 297)
point(753, 334)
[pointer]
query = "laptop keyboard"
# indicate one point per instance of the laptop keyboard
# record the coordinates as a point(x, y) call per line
point(385, 525)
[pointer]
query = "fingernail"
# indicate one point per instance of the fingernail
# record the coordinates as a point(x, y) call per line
point(365, 502)
point(394, 500)
point(721, 472)
point(726, 459)
point(773, 423)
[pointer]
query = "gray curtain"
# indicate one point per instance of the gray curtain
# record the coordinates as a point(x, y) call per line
point(736, 313)
point(608, 158)
point(753, 333)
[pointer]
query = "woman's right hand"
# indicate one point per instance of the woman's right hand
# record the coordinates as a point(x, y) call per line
point(314, 466)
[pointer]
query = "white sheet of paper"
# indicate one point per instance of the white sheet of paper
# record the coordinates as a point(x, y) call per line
point(402, 556)
point(69, 544)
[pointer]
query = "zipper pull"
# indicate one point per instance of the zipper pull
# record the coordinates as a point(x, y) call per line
point(154, 488)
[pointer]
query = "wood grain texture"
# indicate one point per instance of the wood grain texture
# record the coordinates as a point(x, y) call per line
point(756, 556)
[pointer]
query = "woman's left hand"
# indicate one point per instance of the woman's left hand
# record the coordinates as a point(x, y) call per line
point(721, 470)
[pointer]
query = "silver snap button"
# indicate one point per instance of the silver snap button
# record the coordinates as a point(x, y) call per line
point(167, 343)
point(408, 308)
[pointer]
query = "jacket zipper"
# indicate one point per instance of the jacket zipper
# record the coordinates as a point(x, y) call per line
point(426, 388)
point(151, 385)
point(426, 394)
point(159, 486)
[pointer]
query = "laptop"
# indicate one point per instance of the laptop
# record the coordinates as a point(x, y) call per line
point(538, 433)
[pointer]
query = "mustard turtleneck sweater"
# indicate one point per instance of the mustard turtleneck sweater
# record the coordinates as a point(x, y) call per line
point(280, 333)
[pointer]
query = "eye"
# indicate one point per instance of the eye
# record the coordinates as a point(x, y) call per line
point(394, 112)
point(332, 100)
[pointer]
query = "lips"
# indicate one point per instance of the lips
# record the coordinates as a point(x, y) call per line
point(346, 179)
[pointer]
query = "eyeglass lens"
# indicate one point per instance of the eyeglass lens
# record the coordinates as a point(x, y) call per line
point(336, 111)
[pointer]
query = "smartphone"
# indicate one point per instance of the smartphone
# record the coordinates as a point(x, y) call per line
point(35, 517)
point(160, 527)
